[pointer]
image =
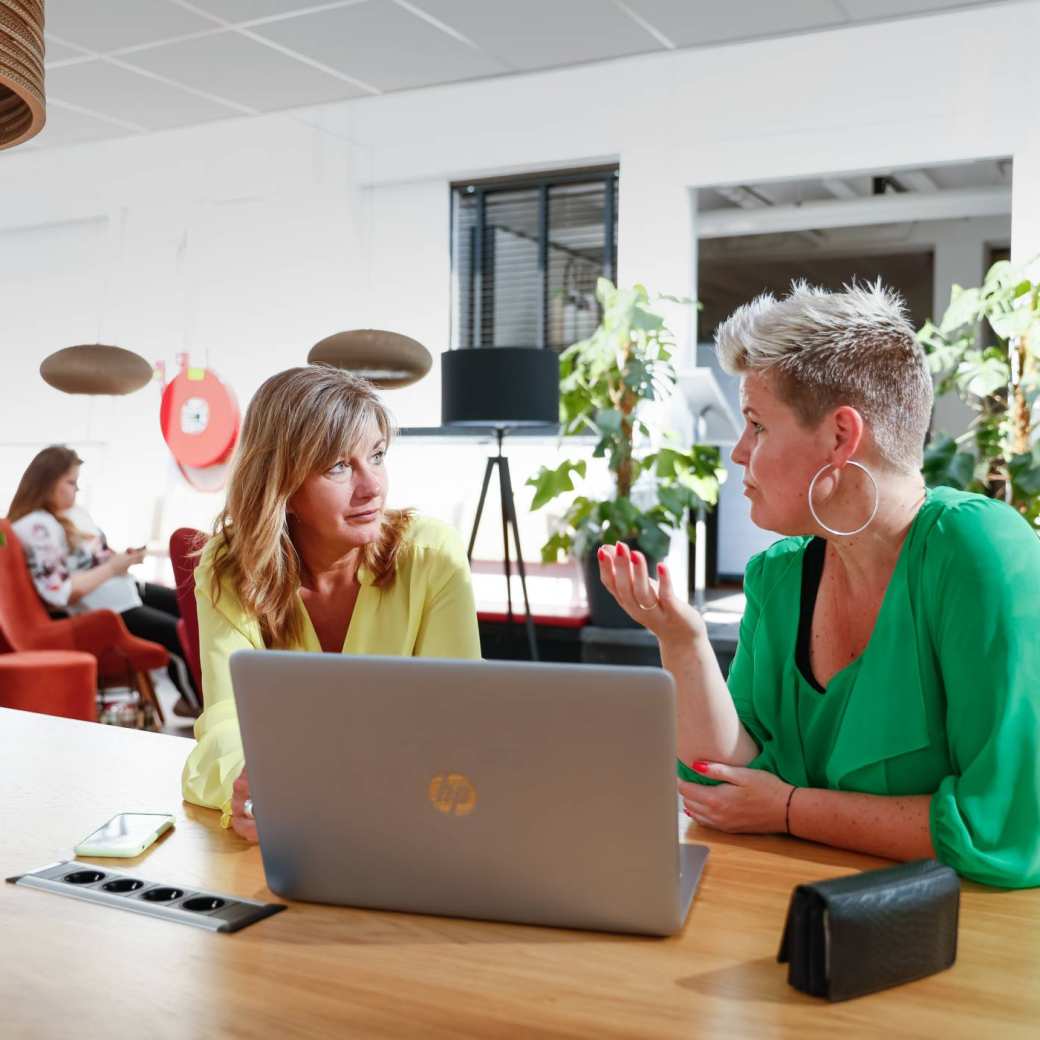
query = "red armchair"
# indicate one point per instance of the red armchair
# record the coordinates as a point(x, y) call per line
point(184, 543)
point(52, 682)
point(26, 626)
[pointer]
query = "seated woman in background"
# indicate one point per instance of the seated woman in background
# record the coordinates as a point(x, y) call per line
point(885, 694)
point(74, 570)
point(306, 556)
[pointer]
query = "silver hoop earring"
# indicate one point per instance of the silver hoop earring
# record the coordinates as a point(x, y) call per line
point(863, 526)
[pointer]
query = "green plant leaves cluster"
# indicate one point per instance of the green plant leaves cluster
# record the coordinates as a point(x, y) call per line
point(606, 382)
point(986, 347)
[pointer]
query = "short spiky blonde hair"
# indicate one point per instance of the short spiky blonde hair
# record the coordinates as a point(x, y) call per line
point(827, 349)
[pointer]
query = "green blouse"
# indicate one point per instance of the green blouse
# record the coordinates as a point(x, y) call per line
point(944, 700)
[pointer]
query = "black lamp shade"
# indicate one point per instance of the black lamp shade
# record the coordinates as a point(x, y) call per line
point(500, 386)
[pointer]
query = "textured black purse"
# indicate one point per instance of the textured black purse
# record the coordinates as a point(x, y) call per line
point(854, 935)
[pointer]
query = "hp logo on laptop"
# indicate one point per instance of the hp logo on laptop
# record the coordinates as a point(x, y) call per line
point(453, 794)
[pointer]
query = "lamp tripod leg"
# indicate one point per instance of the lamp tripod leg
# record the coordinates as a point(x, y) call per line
point(506, 500)
point(480, 505)
point(508, 503)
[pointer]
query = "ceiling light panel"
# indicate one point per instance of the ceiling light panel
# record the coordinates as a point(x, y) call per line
point(113, 91)
point(65, 127)
point(694, 24)
point(113, 24)
point(544, 33)
point(235, 67)
point(59, 52)
point(381, 44)
point(871, 10)
point(247, 10)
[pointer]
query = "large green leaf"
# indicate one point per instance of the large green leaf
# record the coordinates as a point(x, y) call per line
point(548, 483)
point(946, 465)
point(982, 374)
point(667, 460)
point(704, 486)
point(557, 545)
point(608, 420)
point(1024, 470)
point(675, 500)
point(653, 540)
point(1015, 322)
point(646, 319)
point(963, 309)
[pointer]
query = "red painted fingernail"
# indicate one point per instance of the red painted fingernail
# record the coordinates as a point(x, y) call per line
point(660, 568)
point(688, 813)
point(637, 555)
point(601, 553)
point(700, 767)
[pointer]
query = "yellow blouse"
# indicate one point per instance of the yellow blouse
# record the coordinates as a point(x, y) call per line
point(427, 611)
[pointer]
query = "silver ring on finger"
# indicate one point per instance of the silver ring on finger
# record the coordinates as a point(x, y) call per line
point(247, 809)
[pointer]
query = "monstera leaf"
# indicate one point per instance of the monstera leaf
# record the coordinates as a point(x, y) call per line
point(945, 465)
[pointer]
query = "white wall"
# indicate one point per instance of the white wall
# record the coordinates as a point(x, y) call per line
point(238, 243)
point(247, 240)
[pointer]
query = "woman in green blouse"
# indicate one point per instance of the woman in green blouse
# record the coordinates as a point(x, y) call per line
point(885, 694)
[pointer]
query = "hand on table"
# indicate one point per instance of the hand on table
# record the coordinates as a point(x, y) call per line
point(244, 826)
point(652, 604)
point(749, 801)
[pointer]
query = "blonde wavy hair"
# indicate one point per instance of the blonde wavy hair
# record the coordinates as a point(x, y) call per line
point(300, 422)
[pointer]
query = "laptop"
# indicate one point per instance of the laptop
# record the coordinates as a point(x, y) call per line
point(498, 790)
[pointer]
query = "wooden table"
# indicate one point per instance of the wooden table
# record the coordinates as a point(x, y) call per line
point(71, 968)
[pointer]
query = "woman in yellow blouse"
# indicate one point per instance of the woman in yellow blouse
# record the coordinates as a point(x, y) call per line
point(305, 556)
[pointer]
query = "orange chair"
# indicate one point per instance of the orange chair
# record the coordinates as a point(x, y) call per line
point(184, 543)
point(51, 682)
point(26, 625)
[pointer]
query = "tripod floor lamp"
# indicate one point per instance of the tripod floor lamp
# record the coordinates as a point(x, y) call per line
point(502, 389)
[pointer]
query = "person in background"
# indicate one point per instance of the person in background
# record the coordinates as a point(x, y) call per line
point(74, 570)
point(306, 556)
point(885, 693)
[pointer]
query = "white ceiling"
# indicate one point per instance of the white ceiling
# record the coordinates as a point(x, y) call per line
point(117, 67)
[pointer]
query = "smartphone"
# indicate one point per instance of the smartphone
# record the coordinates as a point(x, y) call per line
point(126, 834)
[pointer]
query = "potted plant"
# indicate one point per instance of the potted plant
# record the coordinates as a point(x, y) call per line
point(607, 383)
point(987, 347)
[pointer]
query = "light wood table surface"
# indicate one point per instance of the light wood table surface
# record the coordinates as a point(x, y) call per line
point(69, 968)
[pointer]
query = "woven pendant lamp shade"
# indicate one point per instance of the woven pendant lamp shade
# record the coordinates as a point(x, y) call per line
point(94, 368)
point(22, 102)
point(387, 359)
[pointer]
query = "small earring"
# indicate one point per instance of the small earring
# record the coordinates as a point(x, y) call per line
point(863, 526)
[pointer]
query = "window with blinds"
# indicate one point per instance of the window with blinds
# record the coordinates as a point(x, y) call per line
point(526, 253)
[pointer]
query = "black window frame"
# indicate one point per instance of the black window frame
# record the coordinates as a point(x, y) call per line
point(543, 181)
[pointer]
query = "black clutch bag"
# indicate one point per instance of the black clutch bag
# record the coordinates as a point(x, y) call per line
point(854, 935)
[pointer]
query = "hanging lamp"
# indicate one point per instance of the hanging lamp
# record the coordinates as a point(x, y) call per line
point(386, 359)
point(22, 100)
point(96, 368)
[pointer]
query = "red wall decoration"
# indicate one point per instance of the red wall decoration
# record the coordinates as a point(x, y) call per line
point(199, 418)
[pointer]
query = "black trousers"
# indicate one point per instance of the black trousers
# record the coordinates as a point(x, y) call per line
point(157, 621)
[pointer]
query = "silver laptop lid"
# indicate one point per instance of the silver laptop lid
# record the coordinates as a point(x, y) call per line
point(497, 790)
